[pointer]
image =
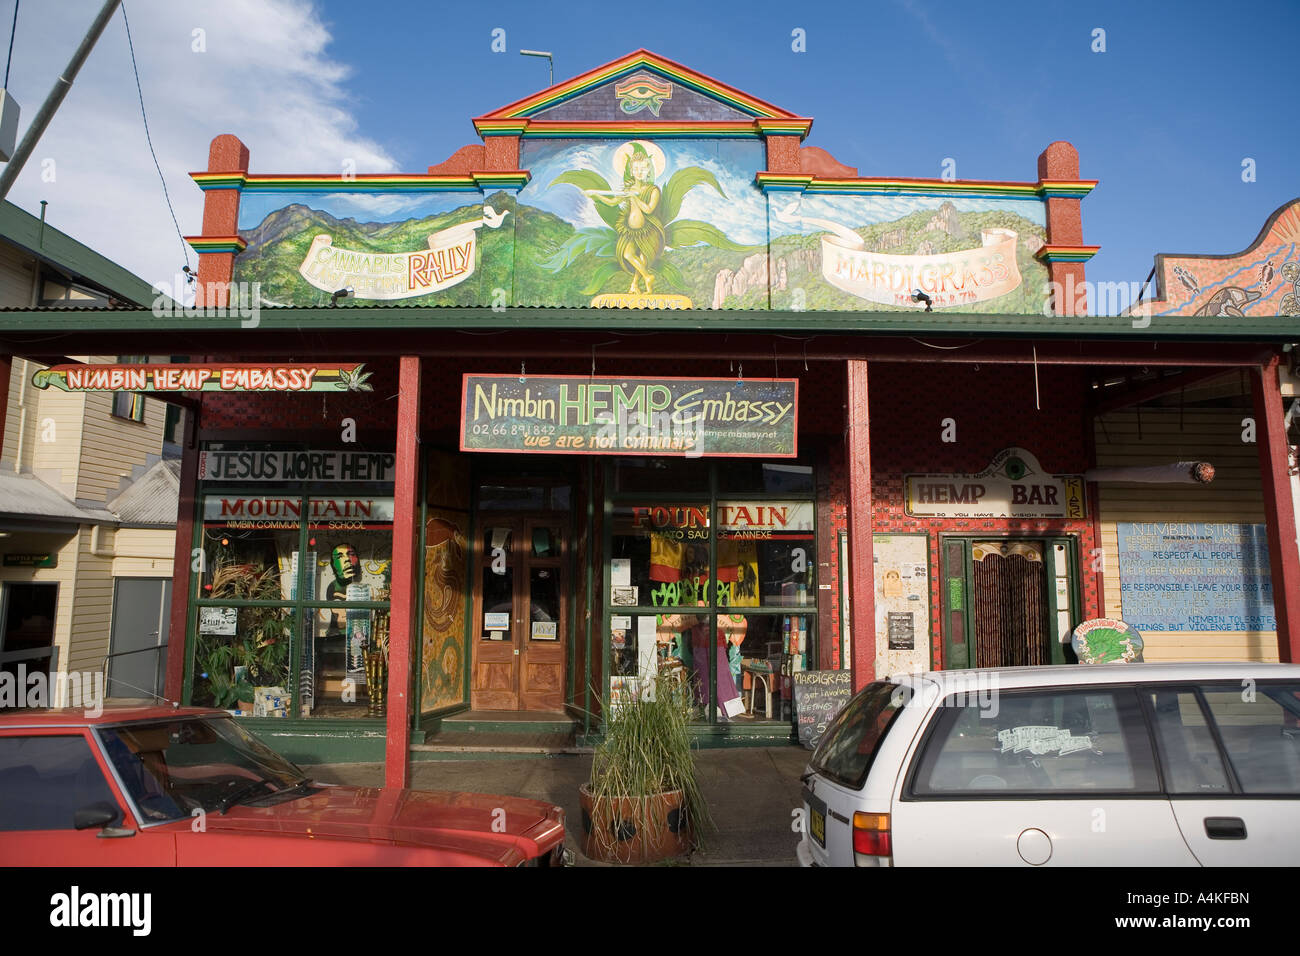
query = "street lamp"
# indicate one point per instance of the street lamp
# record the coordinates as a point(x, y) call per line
point(550, 64)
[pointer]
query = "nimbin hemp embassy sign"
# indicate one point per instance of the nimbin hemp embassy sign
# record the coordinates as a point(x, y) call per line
point(243, 377)
point(681, 417)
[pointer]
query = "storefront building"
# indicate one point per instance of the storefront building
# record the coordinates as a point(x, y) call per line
point(642, 385)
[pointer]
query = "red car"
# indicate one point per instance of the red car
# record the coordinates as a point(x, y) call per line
point(186, 786)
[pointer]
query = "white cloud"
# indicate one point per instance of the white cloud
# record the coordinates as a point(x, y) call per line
point(266, 76)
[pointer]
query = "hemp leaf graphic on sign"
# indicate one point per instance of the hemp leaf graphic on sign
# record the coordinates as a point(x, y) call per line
point(355, 381)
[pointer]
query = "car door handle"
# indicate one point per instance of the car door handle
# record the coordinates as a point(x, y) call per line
point(1225, 828)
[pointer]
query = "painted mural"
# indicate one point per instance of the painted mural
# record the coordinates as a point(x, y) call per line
point(638, 224)
point(967, 254)
point(1262, 280)
point(442, 659)
point(644, 224)
point(670, 214)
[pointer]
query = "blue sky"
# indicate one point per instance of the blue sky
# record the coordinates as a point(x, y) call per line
point(1184, 92)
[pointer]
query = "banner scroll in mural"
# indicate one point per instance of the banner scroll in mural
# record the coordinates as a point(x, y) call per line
point(448, 260)
point(950, 278)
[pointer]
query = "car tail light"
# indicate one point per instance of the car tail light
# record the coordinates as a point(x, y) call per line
point(871, 835)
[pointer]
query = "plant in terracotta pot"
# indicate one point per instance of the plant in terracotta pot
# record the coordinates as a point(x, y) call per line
point(643, 803)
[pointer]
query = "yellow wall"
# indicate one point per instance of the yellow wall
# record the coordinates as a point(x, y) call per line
point(1234, 496)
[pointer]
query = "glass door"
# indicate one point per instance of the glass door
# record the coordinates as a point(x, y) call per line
point(521, 616)
point(498, 616)
point(541, 580)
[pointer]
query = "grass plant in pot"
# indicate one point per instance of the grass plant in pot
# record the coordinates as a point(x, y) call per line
point(643, 803)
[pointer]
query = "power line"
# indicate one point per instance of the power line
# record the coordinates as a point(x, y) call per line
point(12, 30)
point(149, 139)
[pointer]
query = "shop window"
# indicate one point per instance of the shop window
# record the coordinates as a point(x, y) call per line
point(659, 475)
point(744, 476)
point(660, 555)
point(265, 601)
point(723, 579)
point(766, 553)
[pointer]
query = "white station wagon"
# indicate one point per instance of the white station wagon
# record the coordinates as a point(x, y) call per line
point(1086, 765)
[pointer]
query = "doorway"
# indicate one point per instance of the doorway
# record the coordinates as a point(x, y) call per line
point(521, 598)
point(1008, 602)
point(141, 613)
point(27, 613)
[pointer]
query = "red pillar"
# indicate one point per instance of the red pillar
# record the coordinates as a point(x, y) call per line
point(227, 154)
point(857, 453)
point(1060, 162)
point(1283, 557)
point(178, 650)
point(402, 594)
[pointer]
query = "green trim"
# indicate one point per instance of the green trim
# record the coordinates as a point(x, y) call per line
point(321, 740)
point(472, 577)
point(591, 589)
point(65, 253)
point(541, 725)
point(572, 576)
point(417, 612)
point(366, 319)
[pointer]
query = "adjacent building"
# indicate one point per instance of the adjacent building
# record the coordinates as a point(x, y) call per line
point(88, 484)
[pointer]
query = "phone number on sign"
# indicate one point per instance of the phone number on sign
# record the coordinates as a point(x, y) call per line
point(503, 429)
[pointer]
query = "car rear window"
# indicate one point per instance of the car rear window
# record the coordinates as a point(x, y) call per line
point(850, 744)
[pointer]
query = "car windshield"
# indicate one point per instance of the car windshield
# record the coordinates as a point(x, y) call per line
point(171, 768)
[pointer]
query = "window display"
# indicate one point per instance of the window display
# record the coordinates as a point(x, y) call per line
point(719, 575)
point(765, 553)
point(253, 552)
point(357, 536)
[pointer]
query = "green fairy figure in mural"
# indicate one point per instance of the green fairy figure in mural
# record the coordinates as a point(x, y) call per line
point(640, 223)
point(640, 233)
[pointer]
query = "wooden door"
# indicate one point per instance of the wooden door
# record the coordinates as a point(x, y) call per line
point(545, 618)
point(521, 614)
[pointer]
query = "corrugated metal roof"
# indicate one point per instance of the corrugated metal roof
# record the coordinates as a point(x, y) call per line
point(151, 498)
point(28, 495)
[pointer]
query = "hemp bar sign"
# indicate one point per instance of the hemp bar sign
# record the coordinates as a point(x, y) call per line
point(680, 417)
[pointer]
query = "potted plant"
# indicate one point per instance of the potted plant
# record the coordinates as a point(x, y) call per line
point(643, 803)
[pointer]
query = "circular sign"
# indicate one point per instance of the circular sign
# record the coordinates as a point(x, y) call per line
point(1106, 640)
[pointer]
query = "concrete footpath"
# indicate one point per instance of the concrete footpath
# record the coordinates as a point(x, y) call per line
point(751, 791)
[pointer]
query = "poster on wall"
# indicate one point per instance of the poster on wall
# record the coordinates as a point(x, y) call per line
point(1014, 485)
point(1195, 576)
point(218, 621)
point(683, 417)
point(902, 580)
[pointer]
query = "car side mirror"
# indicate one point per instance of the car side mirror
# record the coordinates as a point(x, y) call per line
point(102, 815)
